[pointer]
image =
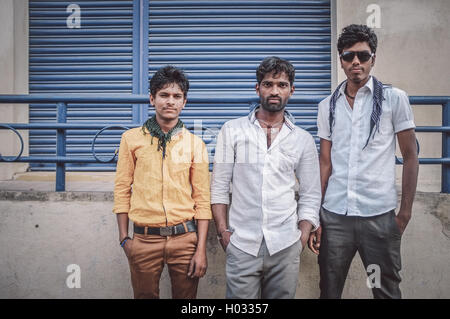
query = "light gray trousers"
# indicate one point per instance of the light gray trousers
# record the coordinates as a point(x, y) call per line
point(264, 276)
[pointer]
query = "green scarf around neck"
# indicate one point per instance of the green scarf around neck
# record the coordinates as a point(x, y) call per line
point(155, 131)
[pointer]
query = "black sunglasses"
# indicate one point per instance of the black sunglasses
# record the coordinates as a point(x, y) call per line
point(363, 56)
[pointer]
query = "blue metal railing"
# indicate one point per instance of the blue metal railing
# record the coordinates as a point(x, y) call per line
point(61, 126)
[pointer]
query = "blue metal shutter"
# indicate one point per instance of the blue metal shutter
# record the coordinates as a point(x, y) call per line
point(95, 58)
point(220, 44)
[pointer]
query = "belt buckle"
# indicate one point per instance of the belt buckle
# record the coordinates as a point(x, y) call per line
point(165, 231)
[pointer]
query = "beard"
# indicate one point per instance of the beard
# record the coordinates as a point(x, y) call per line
point(357, 78)
point(273, 107)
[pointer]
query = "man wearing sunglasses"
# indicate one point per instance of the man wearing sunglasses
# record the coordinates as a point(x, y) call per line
point(357, 126)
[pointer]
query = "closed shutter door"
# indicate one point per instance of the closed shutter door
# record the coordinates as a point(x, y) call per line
point(97, 57)
point(220, 44)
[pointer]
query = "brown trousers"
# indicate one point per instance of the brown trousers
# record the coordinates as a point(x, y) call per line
point(148, 255)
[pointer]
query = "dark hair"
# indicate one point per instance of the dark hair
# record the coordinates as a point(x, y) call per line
point(277, 65)
point(355, 33)
point(167, 75)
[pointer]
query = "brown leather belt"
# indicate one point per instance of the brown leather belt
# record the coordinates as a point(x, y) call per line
point(167, 231)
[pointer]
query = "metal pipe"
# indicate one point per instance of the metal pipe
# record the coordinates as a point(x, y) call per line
point(445, 179)
point(61, 148)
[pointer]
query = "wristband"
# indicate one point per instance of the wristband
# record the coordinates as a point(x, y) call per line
point(122, 243)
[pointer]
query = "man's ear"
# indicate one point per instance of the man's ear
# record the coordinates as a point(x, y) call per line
point(292, 90)
point(152, 100)
point(373, 59)
point(257, 88)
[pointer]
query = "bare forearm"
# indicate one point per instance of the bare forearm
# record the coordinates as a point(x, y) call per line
point(408, 148)
point(409, 183)
point(202, 232)
point(325, 172)
point(325, 165)
point(220, 216)
point(122, 222)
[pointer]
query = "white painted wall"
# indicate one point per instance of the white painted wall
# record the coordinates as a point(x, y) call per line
point(13, 79)
point(412, 54)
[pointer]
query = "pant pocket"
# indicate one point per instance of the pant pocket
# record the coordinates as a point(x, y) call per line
point(228, 248)
point(396, 230)
point(132, 249)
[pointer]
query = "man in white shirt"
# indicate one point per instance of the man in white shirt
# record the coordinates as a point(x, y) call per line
point(262, 154)
point(357, 126)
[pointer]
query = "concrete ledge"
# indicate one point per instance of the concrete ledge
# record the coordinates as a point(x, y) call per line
point(56, 196)
point(441, 198)
point(46, 232)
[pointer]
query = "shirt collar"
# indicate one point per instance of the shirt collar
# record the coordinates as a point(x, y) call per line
point(175, 133)
point(289, 119)
point(179, 133)
point(369, 85)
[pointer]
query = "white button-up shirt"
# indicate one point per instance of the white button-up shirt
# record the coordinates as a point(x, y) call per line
point(362, 181)
point(264, 181)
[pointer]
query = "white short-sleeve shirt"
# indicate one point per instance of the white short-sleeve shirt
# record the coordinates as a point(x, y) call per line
point(362, 181)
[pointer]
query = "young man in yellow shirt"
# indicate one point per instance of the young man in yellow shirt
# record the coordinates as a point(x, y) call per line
point(162, 186)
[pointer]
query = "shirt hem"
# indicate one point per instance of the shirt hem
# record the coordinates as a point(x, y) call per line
point(244, 250)
point(271, 253)
point(361, 215)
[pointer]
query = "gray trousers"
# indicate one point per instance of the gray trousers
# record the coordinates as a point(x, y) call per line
point(376, 239)
point(264, 276)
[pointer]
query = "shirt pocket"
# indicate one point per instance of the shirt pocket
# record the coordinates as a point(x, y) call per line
point(180, 171)
point(385, 132)
point(386, 125)
point(285, 158)
point(148, 165)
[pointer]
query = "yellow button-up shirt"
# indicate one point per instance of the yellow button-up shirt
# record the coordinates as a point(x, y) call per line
point(161, 192)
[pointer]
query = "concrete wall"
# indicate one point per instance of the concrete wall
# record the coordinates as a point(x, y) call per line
point(45, 232)
point(412, 54)
point(13, 79)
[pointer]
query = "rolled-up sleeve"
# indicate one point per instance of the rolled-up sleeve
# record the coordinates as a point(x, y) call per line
point(200, 181)
point(124, 177)
point(402, 115)
point(323, 124)
point(223, 167)
point(308, 175)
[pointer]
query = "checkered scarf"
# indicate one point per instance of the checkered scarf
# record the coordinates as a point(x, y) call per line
point(155, 131)
point(376, 110)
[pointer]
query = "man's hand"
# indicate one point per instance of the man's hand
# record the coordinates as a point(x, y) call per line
point(127, 247)
point(225, 240)
point(314, 240)
point(199, 262)
point(305, 226)
point(198, 265)
point(402, 220)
